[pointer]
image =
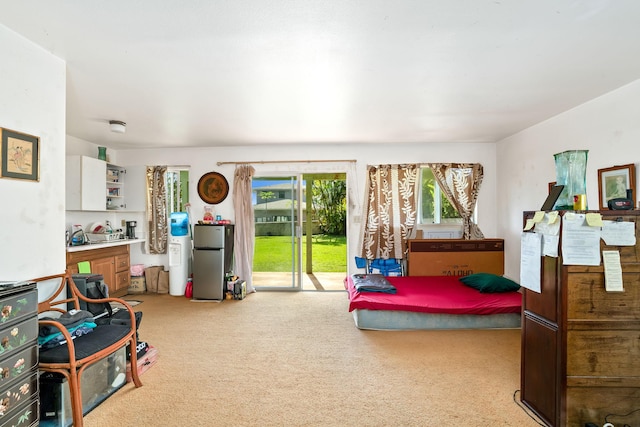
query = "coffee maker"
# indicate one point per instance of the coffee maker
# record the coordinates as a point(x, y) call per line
point(131, 229)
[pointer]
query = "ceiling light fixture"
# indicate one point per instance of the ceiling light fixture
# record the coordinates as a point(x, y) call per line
point(117, 126)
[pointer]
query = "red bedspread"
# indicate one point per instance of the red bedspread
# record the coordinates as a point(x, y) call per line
point(434, 294)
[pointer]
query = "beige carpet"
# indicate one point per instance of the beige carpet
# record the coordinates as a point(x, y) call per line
point(296, 359)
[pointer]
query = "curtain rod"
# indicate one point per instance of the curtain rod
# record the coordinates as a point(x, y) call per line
point(262, 162)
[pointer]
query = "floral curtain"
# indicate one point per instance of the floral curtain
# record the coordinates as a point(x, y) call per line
point(391, 212)
point(244, 236)
point(156, 209)
point(460, 182)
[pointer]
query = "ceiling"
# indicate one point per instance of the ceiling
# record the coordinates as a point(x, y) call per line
point(247, 72)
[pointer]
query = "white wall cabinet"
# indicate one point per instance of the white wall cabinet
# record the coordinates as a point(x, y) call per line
point(136, 194)
point(85, 183)
point(95, 185)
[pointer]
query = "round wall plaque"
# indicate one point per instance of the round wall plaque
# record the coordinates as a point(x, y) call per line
point(213, 188)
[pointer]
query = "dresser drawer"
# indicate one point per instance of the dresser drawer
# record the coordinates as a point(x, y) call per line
point(614, 353)
point(26, 415)
point(13, 398)
point(122, 263)
point(18, 336)
point(588, 300)
point(14, 308)
point(17, 365)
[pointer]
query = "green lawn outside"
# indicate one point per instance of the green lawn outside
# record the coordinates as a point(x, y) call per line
point(273, 253)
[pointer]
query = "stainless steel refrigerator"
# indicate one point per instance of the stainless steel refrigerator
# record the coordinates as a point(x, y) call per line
point(212, 260)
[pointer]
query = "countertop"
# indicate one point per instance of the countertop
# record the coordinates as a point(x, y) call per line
point(91, 246)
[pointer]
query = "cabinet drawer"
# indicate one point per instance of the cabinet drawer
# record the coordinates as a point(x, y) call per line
point(122, 263)
point(613, 353)
point(17, 365)
point(26, 415)
point(122, 280)
point(585, 404)
point(587, 298)
point(18, 337)
point(19, 392)
point(15, 308)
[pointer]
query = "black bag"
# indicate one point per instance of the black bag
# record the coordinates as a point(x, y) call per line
point(93, 286)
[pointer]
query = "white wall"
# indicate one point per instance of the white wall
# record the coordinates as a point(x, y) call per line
point(607, 126)
point(32, 101)
point(203, 160)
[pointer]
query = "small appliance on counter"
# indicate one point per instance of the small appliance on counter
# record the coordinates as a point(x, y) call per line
point(77, 236)
point(131, 229)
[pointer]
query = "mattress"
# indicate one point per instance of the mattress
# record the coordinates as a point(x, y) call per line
point(433, 302)
point(434, 294)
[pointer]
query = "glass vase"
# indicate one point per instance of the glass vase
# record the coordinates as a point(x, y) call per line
point(571, 171)
point(102, 153)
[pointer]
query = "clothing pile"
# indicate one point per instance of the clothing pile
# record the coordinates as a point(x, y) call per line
point(372, 283)
point(77, 322)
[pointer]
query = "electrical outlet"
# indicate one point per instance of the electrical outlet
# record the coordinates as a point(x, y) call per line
point(123, 223)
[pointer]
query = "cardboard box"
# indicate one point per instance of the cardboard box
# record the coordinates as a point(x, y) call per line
point(455, 257)
point(138, 285)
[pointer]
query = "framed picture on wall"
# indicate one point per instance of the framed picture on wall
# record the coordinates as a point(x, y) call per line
point(20, 155)
point(614, 182)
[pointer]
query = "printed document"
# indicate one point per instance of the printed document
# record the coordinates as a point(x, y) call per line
point(530, 259)
point(612, 271)
point(619, 233)
point(580, 242)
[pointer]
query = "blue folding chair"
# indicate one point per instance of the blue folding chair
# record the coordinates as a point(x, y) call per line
point(386, 267)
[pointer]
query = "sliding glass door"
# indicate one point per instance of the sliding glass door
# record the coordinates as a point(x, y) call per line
point(278, 253)
point(300, 229)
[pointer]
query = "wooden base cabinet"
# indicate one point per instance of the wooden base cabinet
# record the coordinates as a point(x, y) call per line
point(113, 263)
point(580, 343)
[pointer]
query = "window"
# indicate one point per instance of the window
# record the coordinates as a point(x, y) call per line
point(177, 189)
point(434, 205)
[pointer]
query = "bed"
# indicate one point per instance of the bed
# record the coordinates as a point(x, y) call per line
point(432, 302)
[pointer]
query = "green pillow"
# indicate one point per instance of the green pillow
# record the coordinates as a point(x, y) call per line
point(489, 283)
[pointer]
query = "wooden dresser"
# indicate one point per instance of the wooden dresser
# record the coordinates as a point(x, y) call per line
point(19, 355)
point(580, 343)
point(112, 262)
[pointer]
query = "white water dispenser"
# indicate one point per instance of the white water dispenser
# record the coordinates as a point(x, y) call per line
point(179, 253)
